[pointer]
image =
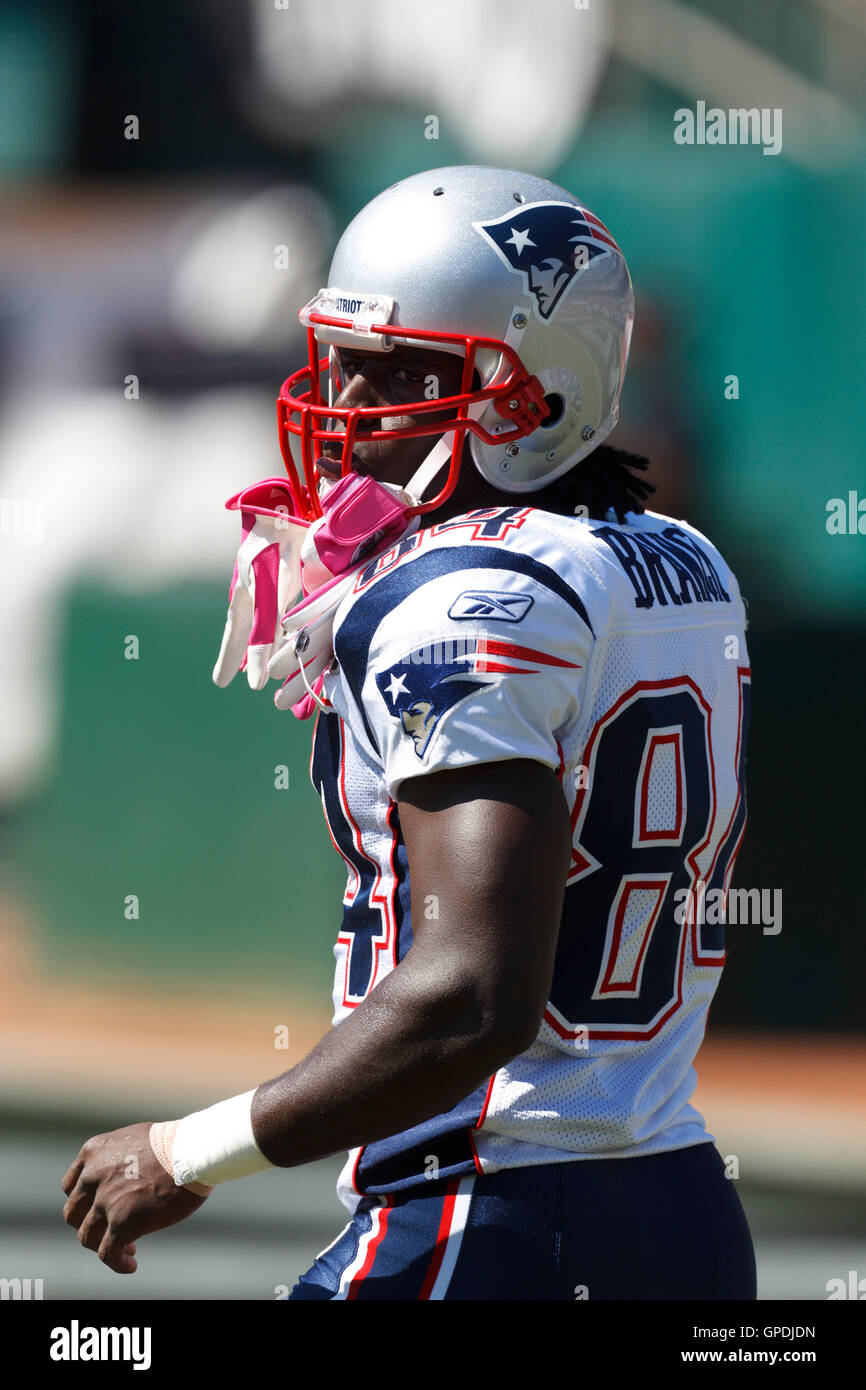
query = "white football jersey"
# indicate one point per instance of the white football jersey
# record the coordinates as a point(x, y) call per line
point(616, 655)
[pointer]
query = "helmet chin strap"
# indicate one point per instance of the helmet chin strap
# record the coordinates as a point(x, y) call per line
point(431, 466)
point(438, 457)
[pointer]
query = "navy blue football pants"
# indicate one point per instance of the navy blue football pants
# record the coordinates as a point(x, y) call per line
point(666, 1226)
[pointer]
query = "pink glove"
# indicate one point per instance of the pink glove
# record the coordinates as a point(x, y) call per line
point(266, 580)
point(361, 518)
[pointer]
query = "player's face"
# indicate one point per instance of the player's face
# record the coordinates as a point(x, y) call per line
point(393, 380)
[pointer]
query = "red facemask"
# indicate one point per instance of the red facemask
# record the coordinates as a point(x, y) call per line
point(518, 398)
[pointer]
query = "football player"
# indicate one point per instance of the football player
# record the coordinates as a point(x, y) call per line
point(531, 700)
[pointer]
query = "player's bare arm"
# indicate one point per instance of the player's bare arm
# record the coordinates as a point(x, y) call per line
point(488, 851)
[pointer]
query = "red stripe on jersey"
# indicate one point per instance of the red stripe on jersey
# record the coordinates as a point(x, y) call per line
point(475, 1159)
point(355, 1286)
point(441, 1241)
point(489, 644)
point(482, 665)
point(480, 1121)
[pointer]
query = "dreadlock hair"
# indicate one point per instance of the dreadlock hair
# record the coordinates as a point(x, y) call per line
point(605, 479)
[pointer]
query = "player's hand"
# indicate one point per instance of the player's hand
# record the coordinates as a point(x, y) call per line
point(117, 1190)
point(266, 580)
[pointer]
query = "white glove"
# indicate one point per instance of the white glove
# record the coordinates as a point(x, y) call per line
point(308, 647)
point(266, 580)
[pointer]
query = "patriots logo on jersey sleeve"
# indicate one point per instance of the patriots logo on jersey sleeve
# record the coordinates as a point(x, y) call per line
point(430, 680)
point(547, 244)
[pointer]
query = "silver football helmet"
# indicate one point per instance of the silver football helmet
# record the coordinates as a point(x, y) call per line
point(505, 269)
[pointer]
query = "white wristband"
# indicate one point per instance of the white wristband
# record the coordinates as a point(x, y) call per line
point(214, 1145)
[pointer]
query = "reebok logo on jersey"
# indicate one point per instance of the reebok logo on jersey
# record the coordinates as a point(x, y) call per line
point(429, 681)
point(475, 603)
point(546, 244)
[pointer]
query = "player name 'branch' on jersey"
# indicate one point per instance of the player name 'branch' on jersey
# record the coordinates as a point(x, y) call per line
point(598, 649)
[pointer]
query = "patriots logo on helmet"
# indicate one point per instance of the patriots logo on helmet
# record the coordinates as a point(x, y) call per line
point(547, 244)
point(431, 680)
